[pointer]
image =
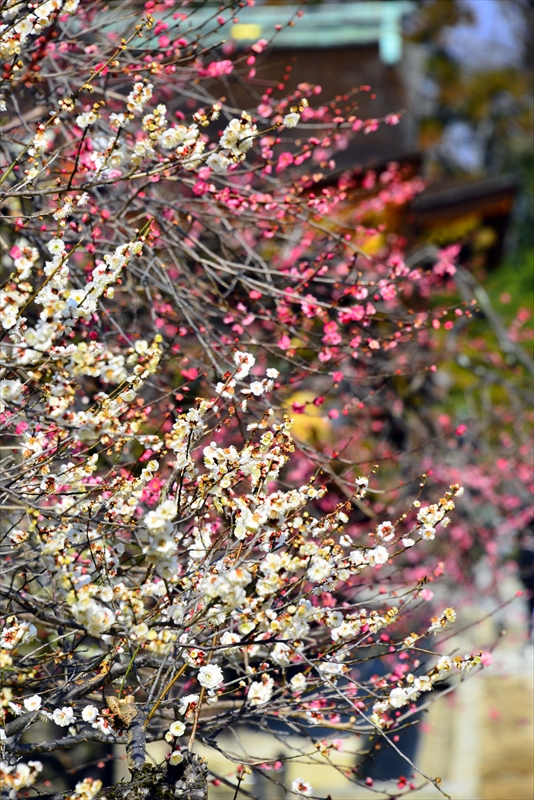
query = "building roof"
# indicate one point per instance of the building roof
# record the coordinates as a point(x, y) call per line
point(464, 196)
point(324, 25)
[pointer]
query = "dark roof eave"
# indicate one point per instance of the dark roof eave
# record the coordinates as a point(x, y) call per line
point(441, 198)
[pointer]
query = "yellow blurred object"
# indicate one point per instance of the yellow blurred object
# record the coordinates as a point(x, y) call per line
point(310, 426)
point(246, 31)
point(372, 244)
point(485, 238)
point(453, 231)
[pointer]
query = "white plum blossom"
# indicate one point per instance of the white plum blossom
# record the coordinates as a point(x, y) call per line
point(398, 697)
point(291, 119)
point(331, 669)
point(244, 363)
point(16, 633)
point(218, 162)
point(320, 569)
point(260, 692)
point(139, 96)
point(32, 703)
point(301, 787)
point(63, 716)
point(361, 485)
point(281, 654)
point(298, 682)
point(187, 702)
point(89, 713)
point(377, 556)
point(440, 623)
point(444, 664)
point(56, 247)
point(257, 388)
point(177, 729)
point(175, 758)
point(86, 119)
point(427, 532)
point(10, 390)
point(385, 531)
point(210, 676)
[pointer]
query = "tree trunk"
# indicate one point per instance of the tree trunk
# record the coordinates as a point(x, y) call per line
point(186, 781)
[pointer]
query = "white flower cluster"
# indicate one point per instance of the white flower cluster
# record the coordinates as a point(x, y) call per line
point(19, 776)
point(176, 730)
point(229, 587)
point(260, 692)
point(186, 142)
point(411, 687)
point(87, 789)
point(183, 435)
point(10, 392)
point(262, 463)
point(28, 23)
point(87, 118)
point(257, 388)
point(24, 260)
point(127, 494)
point(236, 140)
point(39, 145)
point(105, 419)
point(86, 610)
point(98, 361)
point(100, 722)
point(350, 626)
point(431, 516)
point(440, 623)
point(162, 542)
point(138, 97)
point(62, 307)
point(170, 138)
point(84, 303)
point(244, 363)
point(12, 299)
point(15, 633)
point(155, 122)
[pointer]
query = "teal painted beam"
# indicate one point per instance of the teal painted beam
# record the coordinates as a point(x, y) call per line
point(323, 26)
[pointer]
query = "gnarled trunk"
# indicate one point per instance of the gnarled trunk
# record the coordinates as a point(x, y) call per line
point(186, 781)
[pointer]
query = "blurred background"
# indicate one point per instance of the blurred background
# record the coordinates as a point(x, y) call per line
point(459, 72)
point(460, 75)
